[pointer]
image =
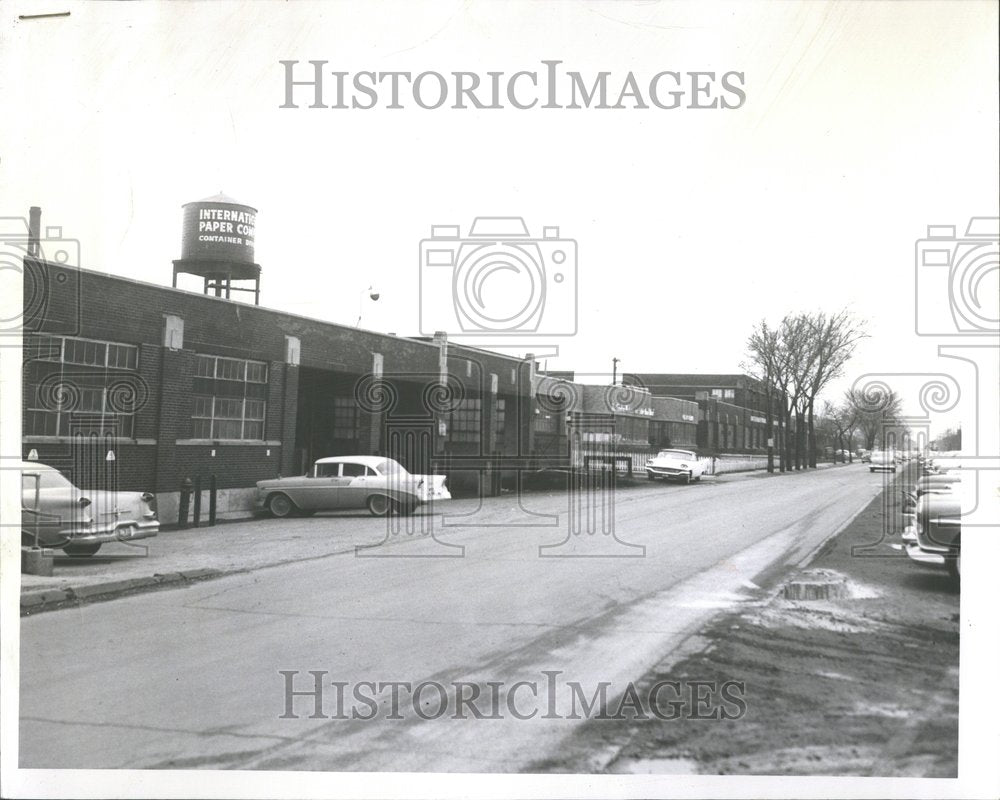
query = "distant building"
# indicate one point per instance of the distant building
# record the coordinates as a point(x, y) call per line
point(732, 407)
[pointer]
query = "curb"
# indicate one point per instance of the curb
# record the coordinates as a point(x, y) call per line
point(33, 602)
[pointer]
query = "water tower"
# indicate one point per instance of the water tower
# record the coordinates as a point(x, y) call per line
point(217, 245)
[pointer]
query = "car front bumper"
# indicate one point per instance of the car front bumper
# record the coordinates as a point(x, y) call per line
point(922, 556)
point(667, 472)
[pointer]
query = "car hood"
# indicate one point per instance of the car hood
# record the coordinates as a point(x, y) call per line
point(666, 461)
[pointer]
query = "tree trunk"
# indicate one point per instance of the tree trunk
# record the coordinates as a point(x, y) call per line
point(769, 433)
point(799, 432)
point(812, 437)
point(786, 465)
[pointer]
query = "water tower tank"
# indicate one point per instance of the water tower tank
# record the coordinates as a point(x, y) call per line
point(217, 244)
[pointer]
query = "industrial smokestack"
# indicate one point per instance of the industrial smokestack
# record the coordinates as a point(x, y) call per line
point(34, 231)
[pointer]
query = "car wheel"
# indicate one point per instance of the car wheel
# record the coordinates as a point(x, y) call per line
point(379, 505)
point(87, 549)
point(280, 505)
point(955, 567)
point(871, 469)
point(649, 476)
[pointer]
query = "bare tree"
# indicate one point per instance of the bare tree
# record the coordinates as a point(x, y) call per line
point(950, 440)
point(772, 355)
point(877, 407)
point(795, 361)
point(831, 341)
point(843, 419)
point(764, 364)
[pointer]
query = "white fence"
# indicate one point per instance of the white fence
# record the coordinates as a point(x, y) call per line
point(719, 465)
point(714, 465)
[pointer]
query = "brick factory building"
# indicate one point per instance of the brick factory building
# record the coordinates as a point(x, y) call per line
point(143, 386)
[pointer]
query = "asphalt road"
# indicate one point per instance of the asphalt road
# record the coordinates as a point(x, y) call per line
point(191, 677)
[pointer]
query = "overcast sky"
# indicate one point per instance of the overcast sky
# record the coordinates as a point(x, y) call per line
point(862, 124)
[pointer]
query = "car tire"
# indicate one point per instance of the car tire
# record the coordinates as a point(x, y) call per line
point(379, 505)
point(871, 469)
point(955, 567)
point(280, 505)
point(85, 550)
point(649, 476)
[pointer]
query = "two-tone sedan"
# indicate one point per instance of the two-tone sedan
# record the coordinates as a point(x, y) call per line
point(379, 484)
point(56, 514)
point(675, 465)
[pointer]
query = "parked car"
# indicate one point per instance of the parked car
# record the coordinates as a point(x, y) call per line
point(938, 483)
point(935, 537)
point(883, 460)
point(675, 465)
point(57, 514)
point(865, 456)
point(379, 484)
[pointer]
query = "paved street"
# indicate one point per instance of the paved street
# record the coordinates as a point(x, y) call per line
point(190, 677)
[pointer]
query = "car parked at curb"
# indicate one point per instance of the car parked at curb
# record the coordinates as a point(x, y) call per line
point(935, 535)
point(883, 460)
point(58, 515)
point(379, 484)
point(675, 465)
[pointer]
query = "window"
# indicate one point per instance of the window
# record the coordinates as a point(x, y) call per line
point(501, 417)
point(465, 421)
point(227, 418)
point(345, 418)
point(229, 400)
point(327, 470)
point(632, 429)
point(230, 369)
point(550, 415)
point(93, 390)
point(355, 470)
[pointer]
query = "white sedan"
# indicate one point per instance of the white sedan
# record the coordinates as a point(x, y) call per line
point(379, 484)
point(675, 465)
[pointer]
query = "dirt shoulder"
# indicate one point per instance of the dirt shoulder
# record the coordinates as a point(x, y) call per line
point(864, 685)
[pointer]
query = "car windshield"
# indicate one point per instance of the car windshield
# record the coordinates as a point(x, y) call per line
point(390, 467)
point(675, 454)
